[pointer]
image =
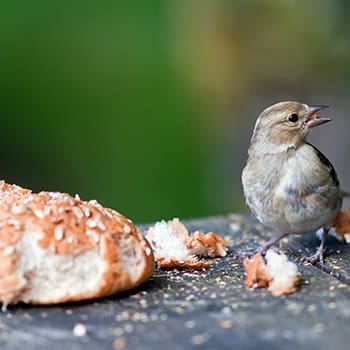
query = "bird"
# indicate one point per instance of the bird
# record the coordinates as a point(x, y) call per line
point(288, 184)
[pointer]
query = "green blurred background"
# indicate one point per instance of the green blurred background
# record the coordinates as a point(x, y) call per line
point(149, 106)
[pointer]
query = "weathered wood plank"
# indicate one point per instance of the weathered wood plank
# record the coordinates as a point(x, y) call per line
point(207, 309)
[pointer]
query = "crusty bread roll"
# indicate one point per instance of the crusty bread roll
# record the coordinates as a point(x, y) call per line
point(55, 248)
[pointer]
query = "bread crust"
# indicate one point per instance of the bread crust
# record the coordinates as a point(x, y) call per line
point(68, 227)
point(175, 247)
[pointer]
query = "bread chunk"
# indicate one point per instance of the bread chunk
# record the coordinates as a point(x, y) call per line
point(55, 248)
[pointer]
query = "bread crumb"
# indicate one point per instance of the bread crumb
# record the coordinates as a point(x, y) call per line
point(342, 225)
point(277, 273)
point(200, 339)
point(227, 324)
point(119, 344)
point(174, 247)
point(79, 330)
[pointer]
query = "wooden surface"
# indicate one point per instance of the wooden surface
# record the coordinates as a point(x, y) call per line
point(206, 309)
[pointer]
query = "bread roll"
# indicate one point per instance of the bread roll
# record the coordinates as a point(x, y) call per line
point(55, 248)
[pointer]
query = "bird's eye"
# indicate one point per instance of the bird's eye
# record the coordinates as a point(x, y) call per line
point(293, 117)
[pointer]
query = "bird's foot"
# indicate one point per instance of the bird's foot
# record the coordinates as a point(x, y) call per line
point(315, 258)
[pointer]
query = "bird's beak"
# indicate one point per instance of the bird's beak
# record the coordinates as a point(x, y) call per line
point(312, 119)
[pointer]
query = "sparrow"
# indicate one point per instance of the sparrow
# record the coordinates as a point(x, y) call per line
point(289, 185)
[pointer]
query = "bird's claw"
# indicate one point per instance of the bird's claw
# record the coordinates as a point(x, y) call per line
point(315, 258)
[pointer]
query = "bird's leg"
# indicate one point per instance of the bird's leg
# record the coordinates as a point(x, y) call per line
point(320, 253)
point(263, 248)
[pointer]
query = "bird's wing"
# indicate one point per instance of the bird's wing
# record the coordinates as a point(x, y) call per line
point(328, 165)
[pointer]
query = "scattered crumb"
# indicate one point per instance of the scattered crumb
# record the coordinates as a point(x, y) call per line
point(227, 324)
point(119, 344)
point(174, 247)
point(278, 274)
point(200, 339)
point(312, 308)
point(79, 330)
point(128, 328)
point(342, 224)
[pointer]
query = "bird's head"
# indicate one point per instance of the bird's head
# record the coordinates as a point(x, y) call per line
point(285, 125)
